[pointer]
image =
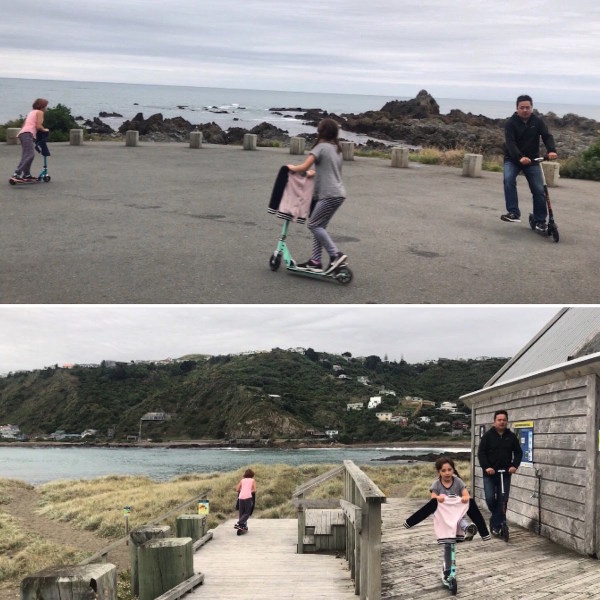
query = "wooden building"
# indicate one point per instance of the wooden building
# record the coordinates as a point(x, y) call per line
point(551, 390)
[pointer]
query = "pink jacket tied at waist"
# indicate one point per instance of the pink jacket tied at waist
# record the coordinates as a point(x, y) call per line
point(296, 198)
point(447, 517)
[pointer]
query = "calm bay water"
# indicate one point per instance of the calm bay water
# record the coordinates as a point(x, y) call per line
point(244, 108)
point(40, 465)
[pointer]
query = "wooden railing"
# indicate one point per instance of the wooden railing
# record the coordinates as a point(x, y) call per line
point(361, 505)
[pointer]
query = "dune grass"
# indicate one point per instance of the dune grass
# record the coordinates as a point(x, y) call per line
point(97, 504)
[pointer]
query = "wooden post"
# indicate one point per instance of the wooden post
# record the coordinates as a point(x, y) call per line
point(301, 528)
point(196, 139)
point(76, 137)
point(72, 582)
point(164, 564)
point(551, 173)
point(297, 145)
point(132, 137)
point(11, 136)
point(400, 157)
point(138, 537)
point(592, 518)
point(347, 150)
point(472, 164)
point(193, 526)
point(250, 140)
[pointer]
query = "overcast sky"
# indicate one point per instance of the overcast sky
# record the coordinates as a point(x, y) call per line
point(37, 336)
point(460, 49)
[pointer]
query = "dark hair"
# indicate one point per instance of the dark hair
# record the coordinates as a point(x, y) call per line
point(524, 98)
point(327, 131)
point(249, 473)
point(442, 460)
point(40, 104)
point(501, 412)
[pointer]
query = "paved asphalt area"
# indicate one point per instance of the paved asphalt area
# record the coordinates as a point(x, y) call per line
point(163, 223)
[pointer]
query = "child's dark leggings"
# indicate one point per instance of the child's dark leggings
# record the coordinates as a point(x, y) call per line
point(429, 508)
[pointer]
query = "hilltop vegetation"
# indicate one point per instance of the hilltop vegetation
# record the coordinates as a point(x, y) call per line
point(276, 394)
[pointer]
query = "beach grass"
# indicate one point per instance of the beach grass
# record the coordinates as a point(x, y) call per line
point(97, 504)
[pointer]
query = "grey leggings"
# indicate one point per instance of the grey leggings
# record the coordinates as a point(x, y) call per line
point(321, 215)
point(28, 153)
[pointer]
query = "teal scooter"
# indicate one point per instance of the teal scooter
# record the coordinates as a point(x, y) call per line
point(341, 274)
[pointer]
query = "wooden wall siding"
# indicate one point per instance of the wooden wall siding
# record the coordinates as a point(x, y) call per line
point(324, 530)
point(561, 413)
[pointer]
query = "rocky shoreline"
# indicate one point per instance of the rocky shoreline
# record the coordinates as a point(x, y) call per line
point(416, 123)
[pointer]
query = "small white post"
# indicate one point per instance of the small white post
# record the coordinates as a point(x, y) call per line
point(11, 136)
point(196, 139)
point(250, 140)
point(400, 157)
point(132, 137)
point(347, 150)
point(76, 137)
point(297, 145)
point(472, 164)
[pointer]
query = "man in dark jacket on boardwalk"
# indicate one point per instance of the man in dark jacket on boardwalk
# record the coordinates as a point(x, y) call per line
point(499, 449)
point(521, 145)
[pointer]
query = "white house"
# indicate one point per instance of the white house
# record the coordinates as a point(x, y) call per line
point(10, 432)
point(449, 406)
point(374, 401)
point(354, 406)
point(363, 379)
point(385, 392)
point(331, 433)
point(424, 419)
point(384, 416)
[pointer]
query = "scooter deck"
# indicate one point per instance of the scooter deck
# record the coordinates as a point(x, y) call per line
point(15, 181)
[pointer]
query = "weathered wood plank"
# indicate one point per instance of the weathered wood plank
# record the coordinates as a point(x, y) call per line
point(263, 563)
point(528, 567)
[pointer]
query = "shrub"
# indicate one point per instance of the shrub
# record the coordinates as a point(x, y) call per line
point(59, 121)
point(584, 166)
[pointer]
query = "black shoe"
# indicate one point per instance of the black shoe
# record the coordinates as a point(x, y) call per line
point(16, 175)
point(28, 178)
point(310, 265)
point(511, 218)
point(540, 227)
point(496, 532)
point(336, 261)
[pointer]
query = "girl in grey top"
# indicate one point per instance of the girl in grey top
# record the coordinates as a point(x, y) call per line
point(328, 196)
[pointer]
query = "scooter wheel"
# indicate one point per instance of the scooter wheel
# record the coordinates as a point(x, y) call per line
point(275, 262)
point(504, 531)
point(344, 275)
point(11, 182)
point(531, 222)
point(47, 178)
point(555, 235)
point(453, 587)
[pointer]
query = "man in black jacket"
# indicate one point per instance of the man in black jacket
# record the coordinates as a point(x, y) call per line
point(499, 449)
point(521, 145)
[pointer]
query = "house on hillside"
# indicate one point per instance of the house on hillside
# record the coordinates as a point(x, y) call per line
point(10, 432)
point(551, 390)
point(374, 401)
point(354, 406)
point(384, 416)
point(449, 406)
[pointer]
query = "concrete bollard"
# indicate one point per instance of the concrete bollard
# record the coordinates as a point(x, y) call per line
point(11, 136)
point(196, 139)
point(132, 137)
point(472, 164)
point(250, 140)
point(76, 137)
point(551, 173)
point(72, 582)
point(347, 150)
point(400, 157)
point(297, 145)
point(138, 537)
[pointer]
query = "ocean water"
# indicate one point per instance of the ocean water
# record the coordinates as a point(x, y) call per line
point(41, 465)
point(226, 107)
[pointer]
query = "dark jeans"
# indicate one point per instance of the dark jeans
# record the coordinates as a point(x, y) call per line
point(429, 508)
point(245, 511)
point(533, 174)
point(493, 497)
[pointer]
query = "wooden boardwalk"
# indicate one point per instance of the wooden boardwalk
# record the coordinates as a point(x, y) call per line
point(529, 567)
point(263, 564)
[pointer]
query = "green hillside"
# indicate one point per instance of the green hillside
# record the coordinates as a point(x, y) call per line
point(278, 394)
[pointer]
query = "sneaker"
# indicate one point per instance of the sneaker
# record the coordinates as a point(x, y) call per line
point(336, 261)
point(16, 175)
point(540, 227)
point(470, 532)
point(511, 218)
point(496, 532)
point(311, 265)
point(28, 178)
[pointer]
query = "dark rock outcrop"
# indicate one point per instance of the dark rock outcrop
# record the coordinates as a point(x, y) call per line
point(96, 126)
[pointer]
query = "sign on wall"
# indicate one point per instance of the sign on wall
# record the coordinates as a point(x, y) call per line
point(524, 431)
